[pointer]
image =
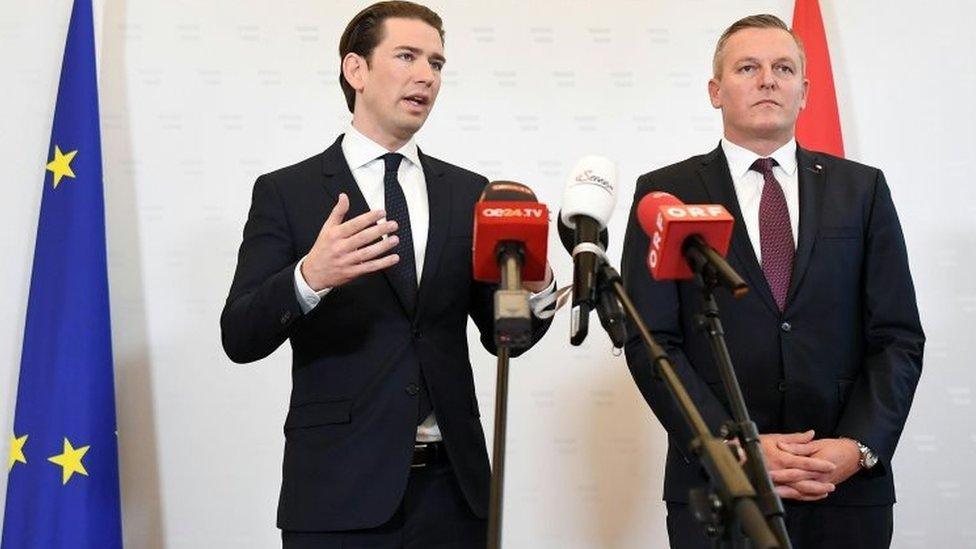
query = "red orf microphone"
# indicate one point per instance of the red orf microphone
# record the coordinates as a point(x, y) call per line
point(687, 239)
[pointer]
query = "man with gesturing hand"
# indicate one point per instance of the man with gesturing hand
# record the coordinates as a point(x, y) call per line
point(827, 344)
point(360, 257)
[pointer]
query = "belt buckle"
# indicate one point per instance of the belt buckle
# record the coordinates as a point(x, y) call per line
point(419, 446)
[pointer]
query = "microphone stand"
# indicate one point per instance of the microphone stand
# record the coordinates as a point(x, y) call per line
point(731, 495)
point(708, 277)
point(513, 329)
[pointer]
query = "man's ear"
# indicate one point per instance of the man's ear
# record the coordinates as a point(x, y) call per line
point(354, 69)
point(806, 94)
point(714, 89)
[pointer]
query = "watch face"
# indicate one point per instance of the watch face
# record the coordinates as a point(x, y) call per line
point(868, 458)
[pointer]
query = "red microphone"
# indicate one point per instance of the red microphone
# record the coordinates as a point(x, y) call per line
point(508, 212)
point(511, 234)
point(688, 240)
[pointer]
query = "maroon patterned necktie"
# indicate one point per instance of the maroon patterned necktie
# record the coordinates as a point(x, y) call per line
point(775, 233)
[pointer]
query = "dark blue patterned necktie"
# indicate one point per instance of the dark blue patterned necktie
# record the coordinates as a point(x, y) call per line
point(775, 233)
point(404, 273)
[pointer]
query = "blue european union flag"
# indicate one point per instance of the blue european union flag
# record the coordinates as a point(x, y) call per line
point(63, 468)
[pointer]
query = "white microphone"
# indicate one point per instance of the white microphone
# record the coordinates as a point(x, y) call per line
point(591, 194)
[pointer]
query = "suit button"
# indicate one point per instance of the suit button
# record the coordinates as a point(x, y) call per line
point(285, 317)
point(786, 327)
point(781, 386)
point(412, 389)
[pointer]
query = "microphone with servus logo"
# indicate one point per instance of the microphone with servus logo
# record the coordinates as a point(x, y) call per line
point(688, 240)
point(608, 308)
point(588, 202)
point(511, 237)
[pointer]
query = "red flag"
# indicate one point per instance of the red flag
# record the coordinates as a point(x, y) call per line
point(819, 125)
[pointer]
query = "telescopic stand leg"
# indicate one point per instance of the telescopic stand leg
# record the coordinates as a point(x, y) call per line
point(495, 502)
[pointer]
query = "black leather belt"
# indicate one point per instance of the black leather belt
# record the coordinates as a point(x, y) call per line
point(426, 454)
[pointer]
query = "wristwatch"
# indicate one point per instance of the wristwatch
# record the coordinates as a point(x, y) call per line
point(868, 458)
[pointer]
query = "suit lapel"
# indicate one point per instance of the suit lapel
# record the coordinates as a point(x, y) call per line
point(338, 179)
point(439, 208)
point(715, 177)
point(811, 179)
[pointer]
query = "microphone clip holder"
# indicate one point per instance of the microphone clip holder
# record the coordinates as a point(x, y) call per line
point(608, 307)
point(708, 264)
point(603, 300)
point(513, 318)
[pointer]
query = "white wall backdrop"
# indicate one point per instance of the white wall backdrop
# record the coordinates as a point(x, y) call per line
point(198, 98)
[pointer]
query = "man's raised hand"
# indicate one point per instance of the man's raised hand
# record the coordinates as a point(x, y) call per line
point(346, 250)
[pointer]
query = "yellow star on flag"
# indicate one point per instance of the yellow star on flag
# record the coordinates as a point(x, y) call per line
point(70, 461)
point(61, 165)
point(17, 450)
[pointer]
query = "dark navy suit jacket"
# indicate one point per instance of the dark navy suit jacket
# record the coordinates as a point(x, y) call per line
point(357, 356)
point(844, 356)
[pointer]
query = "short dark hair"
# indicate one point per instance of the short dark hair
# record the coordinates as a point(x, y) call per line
point(762, 21)
point(365, 31)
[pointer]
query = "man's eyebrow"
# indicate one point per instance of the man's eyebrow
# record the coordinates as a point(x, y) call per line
point(746, 60)
point(419, 51)
point(782, 59)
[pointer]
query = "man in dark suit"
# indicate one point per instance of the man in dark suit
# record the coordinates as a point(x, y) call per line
point(827, 345)
point(360, 257)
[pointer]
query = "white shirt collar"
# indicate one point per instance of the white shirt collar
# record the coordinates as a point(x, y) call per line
point(740, 158)
point(360, 150)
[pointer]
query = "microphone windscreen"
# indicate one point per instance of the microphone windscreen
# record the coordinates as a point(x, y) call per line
point(591, 191)
point(507, 191)
point(650, 206)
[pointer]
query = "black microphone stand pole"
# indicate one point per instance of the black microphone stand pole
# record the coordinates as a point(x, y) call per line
point(709, 277)
point(513, 330)
point(732, 494)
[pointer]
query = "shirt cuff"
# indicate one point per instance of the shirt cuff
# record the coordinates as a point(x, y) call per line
point(541, 300)
point(308, 298)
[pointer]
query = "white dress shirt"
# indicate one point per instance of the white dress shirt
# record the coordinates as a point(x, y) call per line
point(749, 186)
point(368, 168)
point(363, 156)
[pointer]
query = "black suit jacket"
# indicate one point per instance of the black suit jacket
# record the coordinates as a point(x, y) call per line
point(350, 430)
point(844, 356)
